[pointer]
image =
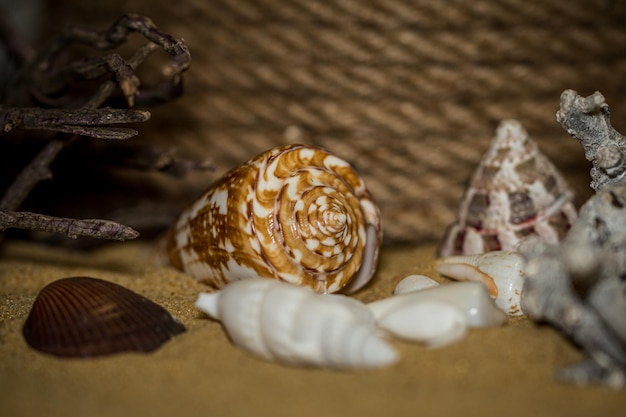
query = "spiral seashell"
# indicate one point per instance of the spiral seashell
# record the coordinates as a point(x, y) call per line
point(293, 325)
point(295, 213)
point(514, 193)
point(502, 272)
point(89, 317)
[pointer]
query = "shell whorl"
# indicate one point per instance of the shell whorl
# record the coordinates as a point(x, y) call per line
point(297, 213)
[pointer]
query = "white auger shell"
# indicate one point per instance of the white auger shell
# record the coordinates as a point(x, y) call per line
point(293, 325)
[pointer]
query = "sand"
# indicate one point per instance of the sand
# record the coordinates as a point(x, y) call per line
point(499, 371)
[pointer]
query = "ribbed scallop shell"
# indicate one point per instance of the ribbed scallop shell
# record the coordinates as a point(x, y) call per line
point(89, 317)
point(515, 192)
point(296, 213)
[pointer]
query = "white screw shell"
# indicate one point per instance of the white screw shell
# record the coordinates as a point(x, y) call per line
point(293, 325)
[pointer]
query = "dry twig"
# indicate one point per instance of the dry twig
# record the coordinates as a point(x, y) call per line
point(100, 229)
point(84, 122)
point(41, 73)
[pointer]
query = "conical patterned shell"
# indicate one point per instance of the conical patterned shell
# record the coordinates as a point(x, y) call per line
point(89, 317)
point(295, 213)
point(515, 192)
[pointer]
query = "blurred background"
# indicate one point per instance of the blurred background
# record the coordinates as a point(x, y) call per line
point(409, 92)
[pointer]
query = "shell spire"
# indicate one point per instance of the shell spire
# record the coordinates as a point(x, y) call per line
point(296, 213)
point(515, 192)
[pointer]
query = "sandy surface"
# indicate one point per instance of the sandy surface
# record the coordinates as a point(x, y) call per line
point(500, 371)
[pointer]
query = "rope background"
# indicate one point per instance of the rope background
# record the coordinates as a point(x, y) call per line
point(409, 92)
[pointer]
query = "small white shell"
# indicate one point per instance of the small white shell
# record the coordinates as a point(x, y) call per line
point(502, 272)
point(293, 325)
point(414, 283)
point(401, 316)
point(431, 322)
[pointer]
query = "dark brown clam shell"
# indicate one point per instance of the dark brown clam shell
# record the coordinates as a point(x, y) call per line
point(89, 317)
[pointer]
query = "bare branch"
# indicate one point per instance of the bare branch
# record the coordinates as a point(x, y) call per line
point(87, 121)
point(38, 169)
point(100, 229)
point(38, 71)
point(84, 122)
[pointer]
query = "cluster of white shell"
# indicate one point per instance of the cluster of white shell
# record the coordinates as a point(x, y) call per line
point(293, 325)
point(435, 315)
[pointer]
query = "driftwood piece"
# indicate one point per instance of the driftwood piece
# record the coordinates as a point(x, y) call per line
point(85, 122)
point(100, 229)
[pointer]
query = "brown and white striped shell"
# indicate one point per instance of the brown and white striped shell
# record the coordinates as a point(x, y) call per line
point(296, 213)
point(515, 192)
